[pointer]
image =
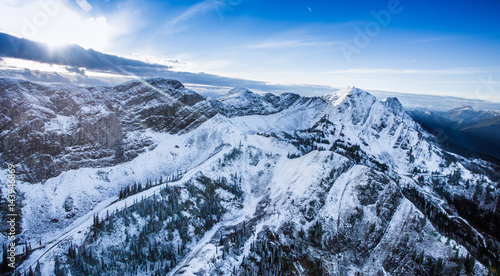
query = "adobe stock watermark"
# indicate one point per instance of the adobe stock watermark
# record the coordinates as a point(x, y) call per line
point(11, 217)
point(371, 29)
point(484, 92)
point(485, 89)
point(41, 18)
point(48, 9)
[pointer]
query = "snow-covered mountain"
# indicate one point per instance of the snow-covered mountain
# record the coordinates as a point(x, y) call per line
point(463, 128)
point(151, 178)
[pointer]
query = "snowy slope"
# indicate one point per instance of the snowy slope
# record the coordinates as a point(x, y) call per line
point(338, 184)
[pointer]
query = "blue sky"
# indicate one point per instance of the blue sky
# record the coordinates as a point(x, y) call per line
point(430, 47)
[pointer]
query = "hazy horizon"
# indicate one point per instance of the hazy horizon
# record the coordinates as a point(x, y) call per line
point(446, 49)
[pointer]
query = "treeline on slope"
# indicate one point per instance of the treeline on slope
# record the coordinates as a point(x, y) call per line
point(484, 219)
point(483, 248)
point(351, 151)
point(268, 255)
point(316, 138)
point(471, 209)
point(292, 251)
point(230, 156)
point(480, 218)
point(308, 142)
point(138, 187)
point(140, 252)
point(157, 231)
point(199, 211)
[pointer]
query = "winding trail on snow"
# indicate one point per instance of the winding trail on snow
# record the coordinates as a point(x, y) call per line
point(85, 222)
point(247, 211)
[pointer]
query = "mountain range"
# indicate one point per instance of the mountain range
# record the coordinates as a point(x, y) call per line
point(151, 178)
point(464, 130)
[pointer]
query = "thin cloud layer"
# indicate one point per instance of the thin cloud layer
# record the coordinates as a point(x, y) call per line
point(72, 55)
point(219, 6)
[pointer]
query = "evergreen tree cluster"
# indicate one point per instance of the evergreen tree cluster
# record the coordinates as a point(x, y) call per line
point(314, 138)
point(153, 249)
point(308, 144)
point(484, 249)
point(234, 239)
point(480, 218)
point(421, 264)
point(270, 255)
point(157, 230)
point(441, 189)
point(232, 155)
point(138, 187)
point(233, 185)
point(266, 258)
point(455, 178)
point(325, 124)
point(353, 152)
point(316, 234)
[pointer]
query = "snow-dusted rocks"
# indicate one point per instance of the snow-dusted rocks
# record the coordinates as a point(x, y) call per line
point(334, 185)
point(241, 101)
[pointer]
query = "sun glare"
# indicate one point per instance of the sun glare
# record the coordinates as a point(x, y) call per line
point(89, 33)
point(58, 23)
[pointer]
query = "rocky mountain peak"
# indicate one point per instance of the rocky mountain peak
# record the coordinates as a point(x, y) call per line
point(348, 94)
point(394, 105)
point(240, 92)
point(162, 83)
point(464, 108)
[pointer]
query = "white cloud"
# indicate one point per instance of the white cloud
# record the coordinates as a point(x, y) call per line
point(433, 39)
point(156, 60)
point(453, 71)
point(277, 44)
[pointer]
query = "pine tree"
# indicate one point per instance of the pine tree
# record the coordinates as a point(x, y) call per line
point(4, 258)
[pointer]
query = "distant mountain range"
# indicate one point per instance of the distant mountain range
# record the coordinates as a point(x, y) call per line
point(464, 130)
point(79, 61)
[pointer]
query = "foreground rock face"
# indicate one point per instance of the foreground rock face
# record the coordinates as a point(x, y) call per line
point(50, 129)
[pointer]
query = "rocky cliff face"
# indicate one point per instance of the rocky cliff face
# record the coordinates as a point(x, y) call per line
point(50, 129)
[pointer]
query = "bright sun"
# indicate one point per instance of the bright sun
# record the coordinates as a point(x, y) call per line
point(59, 23)
point(92, 33)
